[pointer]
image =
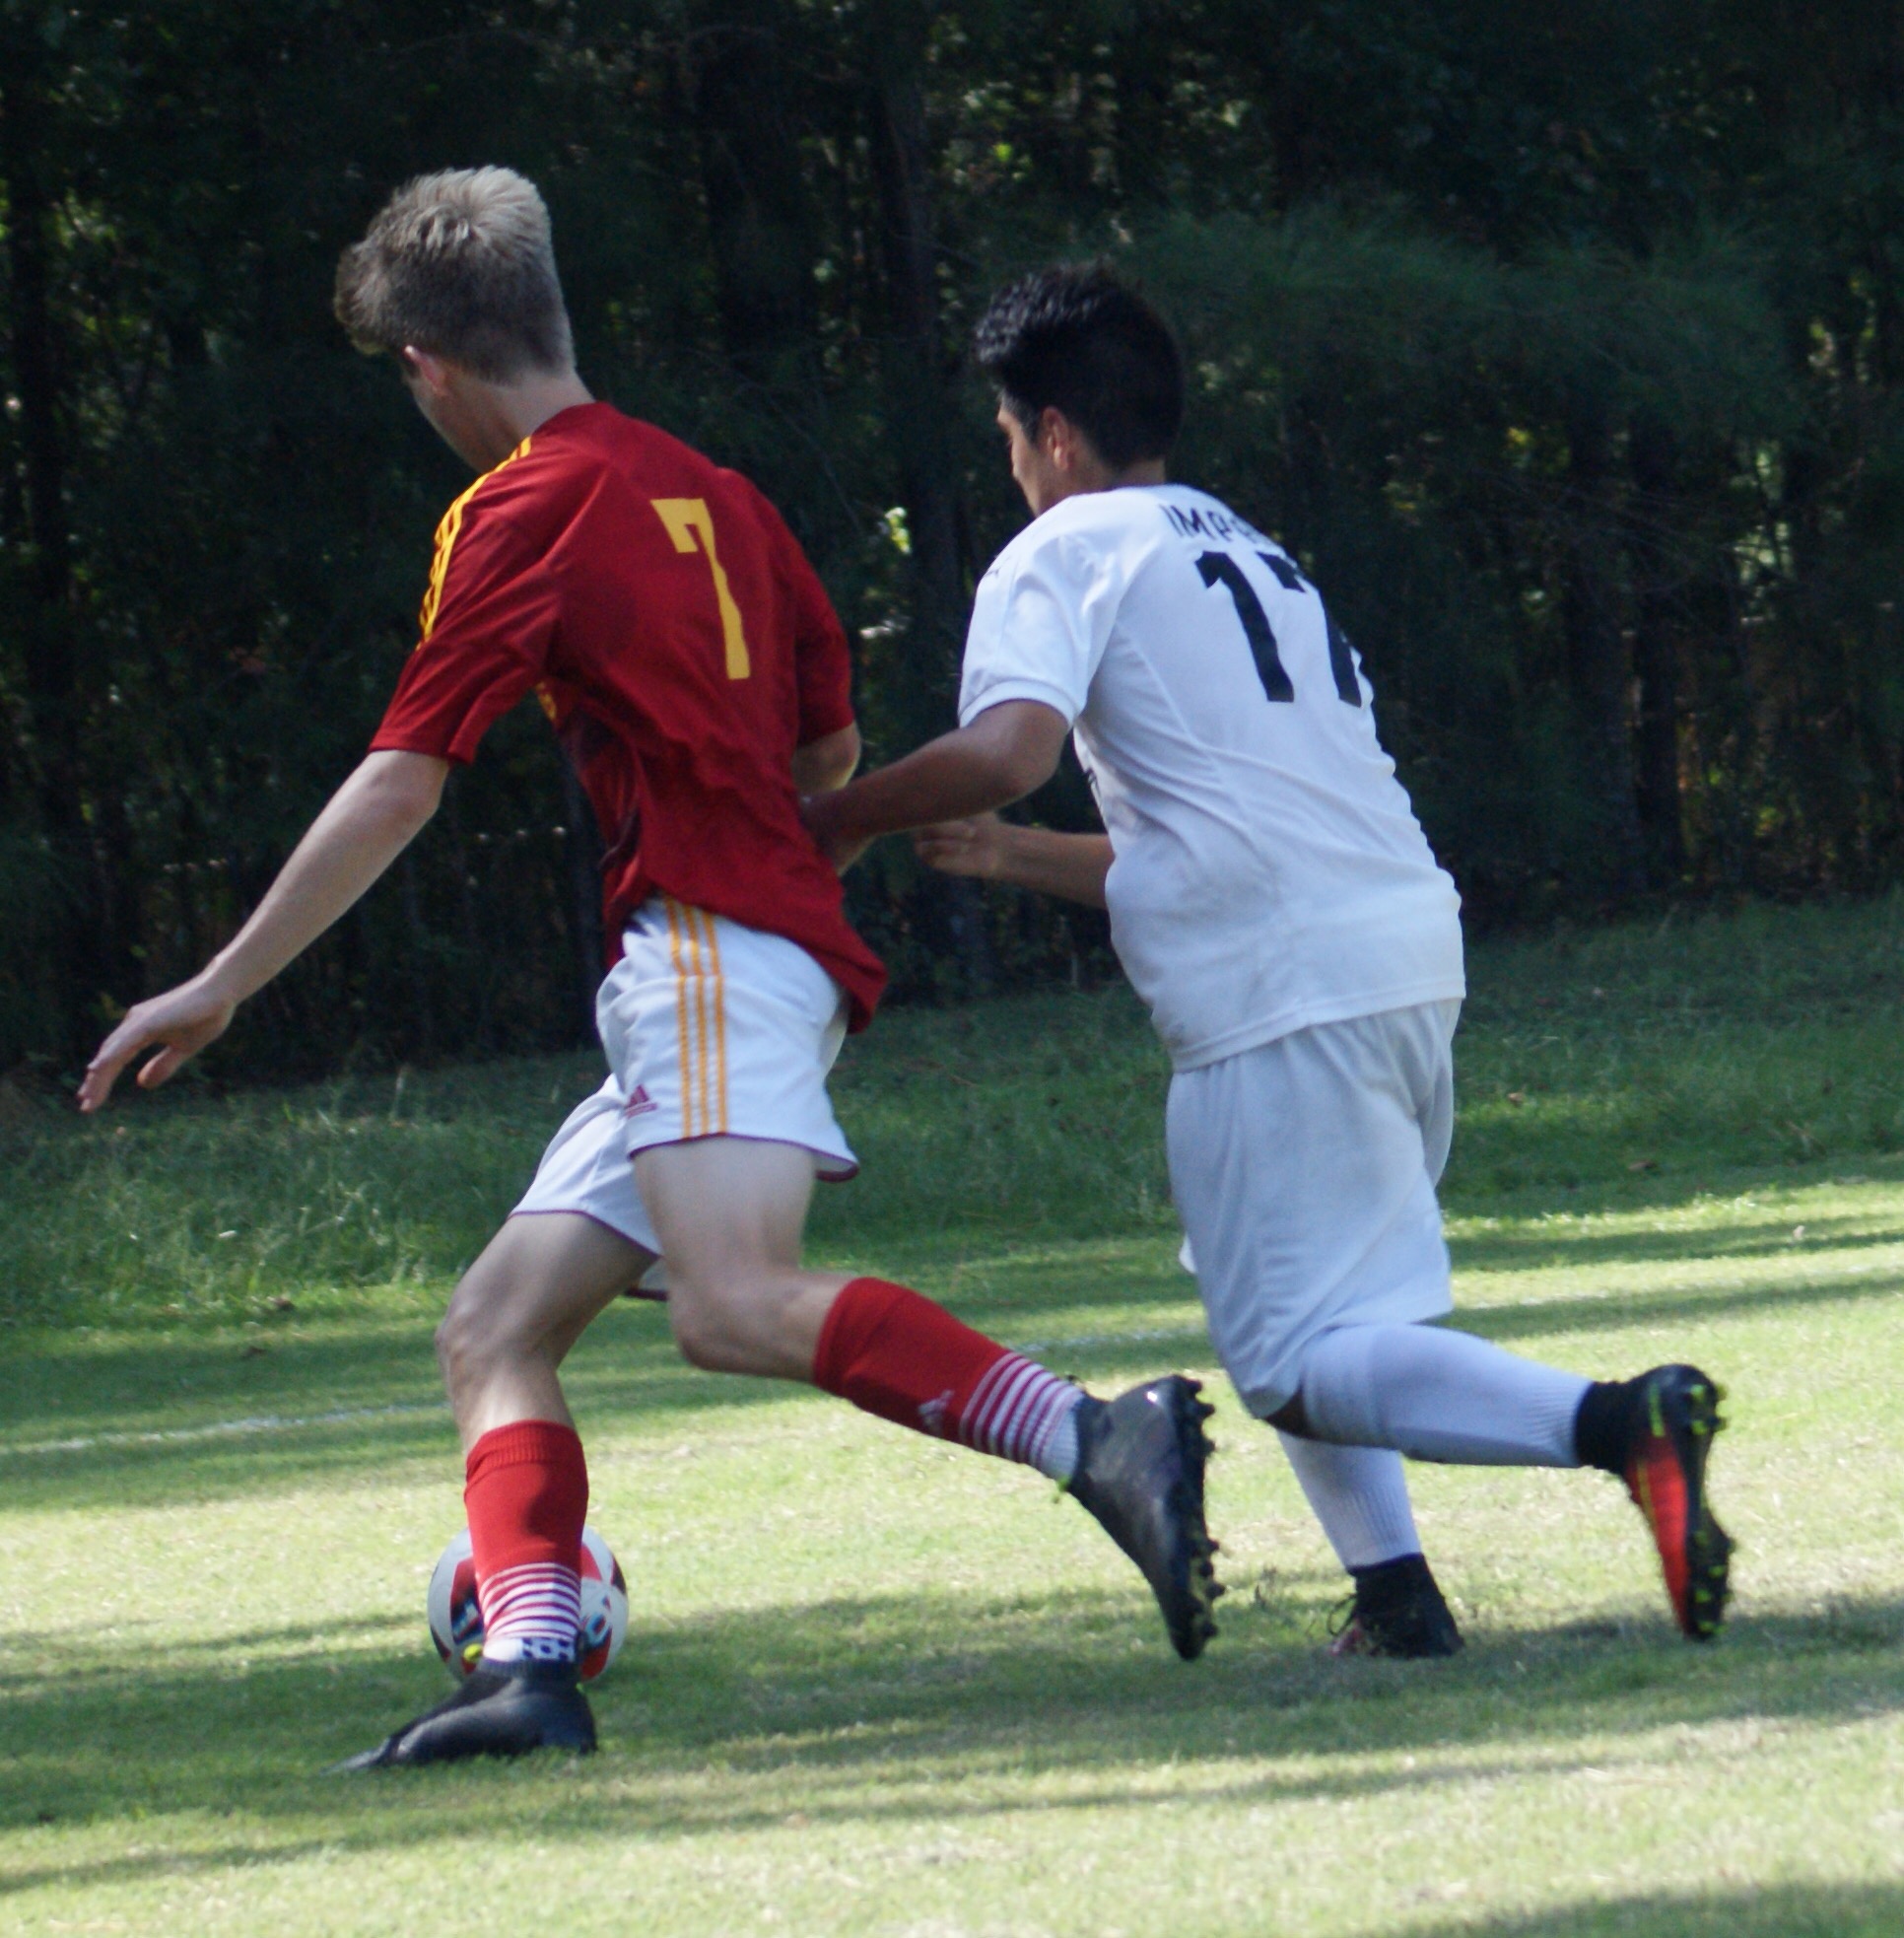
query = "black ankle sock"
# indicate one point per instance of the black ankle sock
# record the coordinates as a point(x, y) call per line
point(1389, 1581)
point(1602, 1428)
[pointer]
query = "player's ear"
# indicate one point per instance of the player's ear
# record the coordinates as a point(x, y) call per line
point(420, 368)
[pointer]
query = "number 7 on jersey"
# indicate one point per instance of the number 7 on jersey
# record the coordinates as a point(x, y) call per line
point(688, 519)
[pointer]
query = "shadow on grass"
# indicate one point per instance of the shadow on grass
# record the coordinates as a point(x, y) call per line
point(1572, 1249)
point(150, 1420)
point(889, 1710)
point(1536, 1318)
point(1787, 1911)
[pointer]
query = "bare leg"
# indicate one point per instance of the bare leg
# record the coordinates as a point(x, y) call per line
point(729, 1213)
point(518, 1310)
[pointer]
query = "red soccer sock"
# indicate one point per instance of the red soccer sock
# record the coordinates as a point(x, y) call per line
point(899, 1355)
point(526, 1493)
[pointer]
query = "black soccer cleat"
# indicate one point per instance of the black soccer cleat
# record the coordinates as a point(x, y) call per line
point(1140, 1473)
point(505, 1709)
point(1675, 1415)
point(1397, 1611)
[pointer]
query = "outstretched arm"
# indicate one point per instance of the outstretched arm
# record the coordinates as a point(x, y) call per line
point(826, 763)
point(368, 822)
point(1071, 866)
point(1010, 750)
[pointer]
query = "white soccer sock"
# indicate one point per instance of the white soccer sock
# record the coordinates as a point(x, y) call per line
point(530, 1613)
point(1059, 1461)
point(1360, 1495)
point(1439, 1395)
point(1020, 1412)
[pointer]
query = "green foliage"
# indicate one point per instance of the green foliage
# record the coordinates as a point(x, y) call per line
point(1567, 352)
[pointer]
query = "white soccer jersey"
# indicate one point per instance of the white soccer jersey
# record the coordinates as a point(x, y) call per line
point(1269, 872)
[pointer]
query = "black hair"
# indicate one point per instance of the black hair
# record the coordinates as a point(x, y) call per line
point(1080, 341)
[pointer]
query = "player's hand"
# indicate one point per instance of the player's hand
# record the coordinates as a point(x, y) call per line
point(976, 847)
point(822, 815)
point(183, 1021)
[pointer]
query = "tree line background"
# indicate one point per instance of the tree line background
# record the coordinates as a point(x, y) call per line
point(1567, 355)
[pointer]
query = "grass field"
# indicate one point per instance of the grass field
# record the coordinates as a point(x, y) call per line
point(875, 1684)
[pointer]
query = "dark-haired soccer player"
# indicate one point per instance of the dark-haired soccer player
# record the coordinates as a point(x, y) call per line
point(1274, 901)
point(697, 677)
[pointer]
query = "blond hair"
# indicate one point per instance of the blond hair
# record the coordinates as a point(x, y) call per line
point(459, 264)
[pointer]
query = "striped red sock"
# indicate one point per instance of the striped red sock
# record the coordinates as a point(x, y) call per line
point(526, 1493)
point(899, 1355)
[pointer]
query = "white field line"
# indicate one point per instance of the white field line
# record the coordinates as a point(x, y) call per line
point(220, 1429)
point(1082, 1341)
point(224, 1429)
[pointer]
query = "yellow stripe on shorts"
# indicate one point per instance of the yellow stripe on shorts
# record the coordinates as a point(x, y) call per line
point(700, 1018)
point(699, 971)
point(720, 1025)
point(675, 912)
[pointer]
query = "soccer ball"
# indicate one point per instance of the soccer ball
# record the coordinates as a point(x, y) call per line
point(457, 1621)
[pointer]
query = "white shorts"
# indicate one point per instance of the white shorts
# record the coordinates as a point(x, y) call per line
point(712, 1030)
point(1305, 1172)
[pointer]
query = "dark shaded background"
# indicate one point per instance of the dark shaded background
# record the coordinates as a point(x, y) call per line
point(1568, 358)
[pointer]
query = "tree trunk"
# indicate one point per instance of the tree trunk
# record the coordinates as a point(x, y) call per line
point(50, 646)
point(1656, 654)
point(917, 407)
point(758, 220)
point(50, 673)
point(1598, 671)
point(917, 415)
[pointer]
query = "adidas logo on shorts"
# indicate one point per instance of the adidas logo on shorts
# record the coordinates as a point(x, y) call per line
point(639, 1104)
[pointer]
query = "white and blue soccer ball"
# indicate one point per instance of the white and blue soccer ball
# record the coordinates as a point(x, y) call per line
point(456, 1618)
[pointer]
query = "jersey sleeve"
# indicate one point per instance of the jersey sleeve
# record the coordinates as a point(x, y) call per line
point(1040, 624)
point(488, 618)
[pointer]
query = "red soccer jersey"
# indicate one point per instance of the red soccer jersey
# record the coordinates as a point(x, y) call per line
point(682, 647)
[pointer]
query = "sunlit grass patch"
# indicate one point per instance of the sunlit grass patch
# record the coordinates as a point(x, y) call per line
point(877, 1685)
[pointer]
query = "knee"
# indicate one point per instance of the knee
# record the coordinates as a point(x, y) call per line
point(703, 1331)
point(729, 1323)
point(1292, 1417)
point(473, 1335)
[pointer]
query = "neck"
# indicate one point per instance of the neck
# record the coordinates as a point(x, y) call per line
point(1146, 472)
point(530, 404)
point(1094, 475)
point(507, 413)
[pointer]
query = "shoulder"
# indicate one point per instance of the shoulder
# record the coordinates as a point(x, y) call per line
point(661, 464)
point(658, 460)
point(1102, 517)
point(1093, 537)
point(542, 478)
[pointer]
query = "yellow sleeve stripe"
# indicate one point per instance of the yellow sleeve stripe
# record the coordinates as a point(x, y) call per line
point(453, 524)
